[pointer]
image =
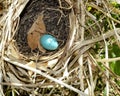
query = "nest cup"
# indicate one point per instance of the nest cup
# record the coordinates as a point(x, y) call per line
point(56, 22)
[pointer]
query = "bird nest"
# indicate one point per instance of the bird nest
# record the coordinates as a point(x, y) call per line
point(55, 21)
point(34, 70)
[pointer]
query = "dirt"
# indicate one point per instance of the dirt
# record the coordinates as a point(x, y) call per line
point(56, 21)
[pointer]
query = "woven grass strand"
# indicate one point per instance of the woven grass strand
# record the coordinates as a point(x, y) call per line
point(110, 33)
point(45, 75)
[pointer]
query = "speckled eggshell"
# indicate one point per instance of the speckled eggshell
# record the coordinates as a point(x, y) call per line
point(49, 42)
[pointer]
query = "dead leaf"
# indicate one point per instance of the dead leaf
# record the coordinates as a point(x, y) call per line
point(40, 24)
point(38, 29)
point(33, 39)
point(33, 65)
point(41, 48)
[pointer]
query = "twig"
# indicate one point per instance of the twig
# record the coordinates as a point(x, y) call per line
point(107, 65)
point(106, 14)
point(67, 8)
point(108, 60)
point(81, 31)
point(108, 34)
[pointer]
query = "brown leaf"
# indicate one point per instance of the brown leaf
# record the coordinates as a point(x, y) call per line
point(33, 39)
point(41, 48)
point(40, 24)
point(37, 29)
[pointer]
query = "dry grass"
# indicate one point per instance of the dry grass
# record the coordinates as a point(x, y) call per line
point(75, 69)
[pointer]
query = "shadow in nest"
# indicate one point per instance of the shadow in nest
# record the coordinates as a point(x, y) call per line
point(56, 21)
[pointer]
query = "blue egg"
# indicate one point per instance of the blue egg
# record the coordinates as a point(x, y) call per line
point(48, 42)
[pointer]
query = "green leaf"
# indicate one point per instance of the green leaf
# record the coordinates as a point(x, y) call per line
point(115, 65)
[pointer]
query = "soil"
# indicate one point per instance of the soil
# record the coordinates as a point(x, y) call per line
point(56, 21)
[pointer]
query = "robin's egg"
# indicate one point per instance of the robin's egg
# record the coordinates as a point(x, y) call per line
point(48, 42)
